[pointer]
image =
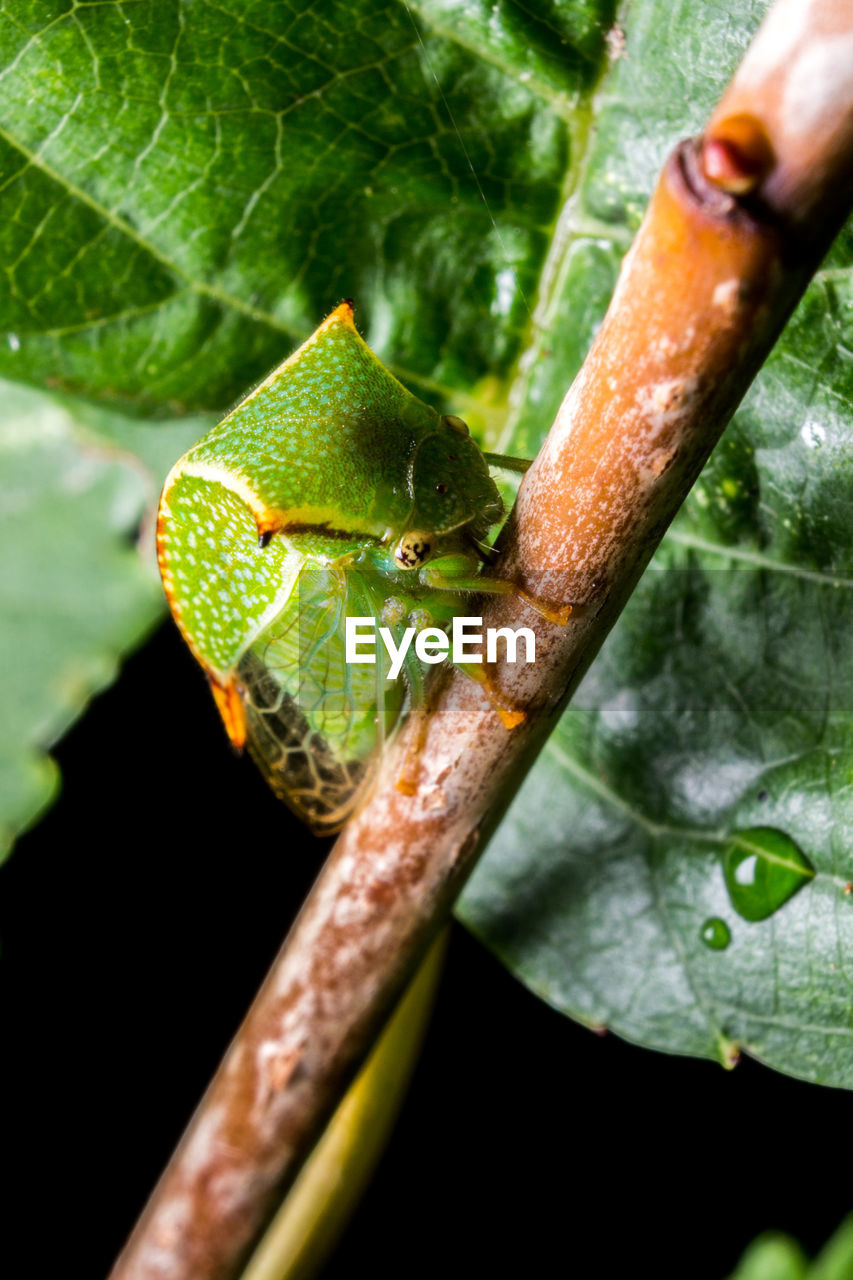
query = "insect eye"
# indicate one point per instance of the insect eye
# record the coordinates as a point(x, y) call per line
point(441, 488)
point(413, 550)
point(456, 424)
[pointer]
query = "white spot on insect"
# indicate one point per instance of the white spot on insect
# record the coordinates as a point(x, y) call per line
point(230, 480)
point(813, 434)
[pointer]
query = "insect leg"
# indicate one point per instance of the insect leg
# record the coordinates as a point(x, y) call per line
point(508, 715)
point(408, 779)
point(503, 462)
point(496, 587)
point(452, 580)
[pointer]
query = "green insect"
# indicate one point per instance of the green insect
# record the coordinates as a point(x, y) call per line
point(329, 492)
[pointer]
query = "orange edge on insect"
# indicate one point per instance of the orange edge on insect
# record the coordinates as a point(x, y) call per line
point(270, 520)
point(342, 314)
point(229, 704)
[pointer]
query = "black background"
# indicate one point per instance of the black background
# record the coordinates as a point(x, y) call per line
point(138, 919)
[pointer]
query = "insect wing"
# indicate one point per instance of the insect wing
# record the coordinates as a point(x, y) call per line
point(316, 724)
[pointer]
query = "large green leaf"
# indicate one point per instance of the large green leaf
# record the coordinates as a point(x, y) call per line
point(75, 592)
point(188, 188)
point(723, 701)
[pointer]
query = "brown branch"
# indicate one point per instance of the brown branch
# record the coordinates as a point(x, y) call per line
point(736, 227)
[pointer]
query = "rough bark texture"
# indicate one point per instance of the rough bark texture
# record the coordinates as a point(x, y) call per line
point(737, 225)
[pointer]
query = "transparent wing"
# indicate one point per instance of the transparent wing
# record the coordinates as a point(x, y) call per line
point(315, 724)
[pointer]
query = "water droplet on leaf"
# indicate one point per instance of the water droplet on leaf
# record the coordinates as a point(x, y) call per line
point(763, 868)
point(715, 933)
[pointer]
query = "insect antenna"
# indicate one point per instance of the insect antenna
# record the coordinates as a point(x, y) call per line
point(486, 553)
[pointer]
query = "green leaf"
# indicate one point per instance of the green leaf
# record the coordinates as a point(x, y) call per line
point(723, 701)
point(774, 1256)
point(835, 1261)
point(75, 592)
point(188, 189)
